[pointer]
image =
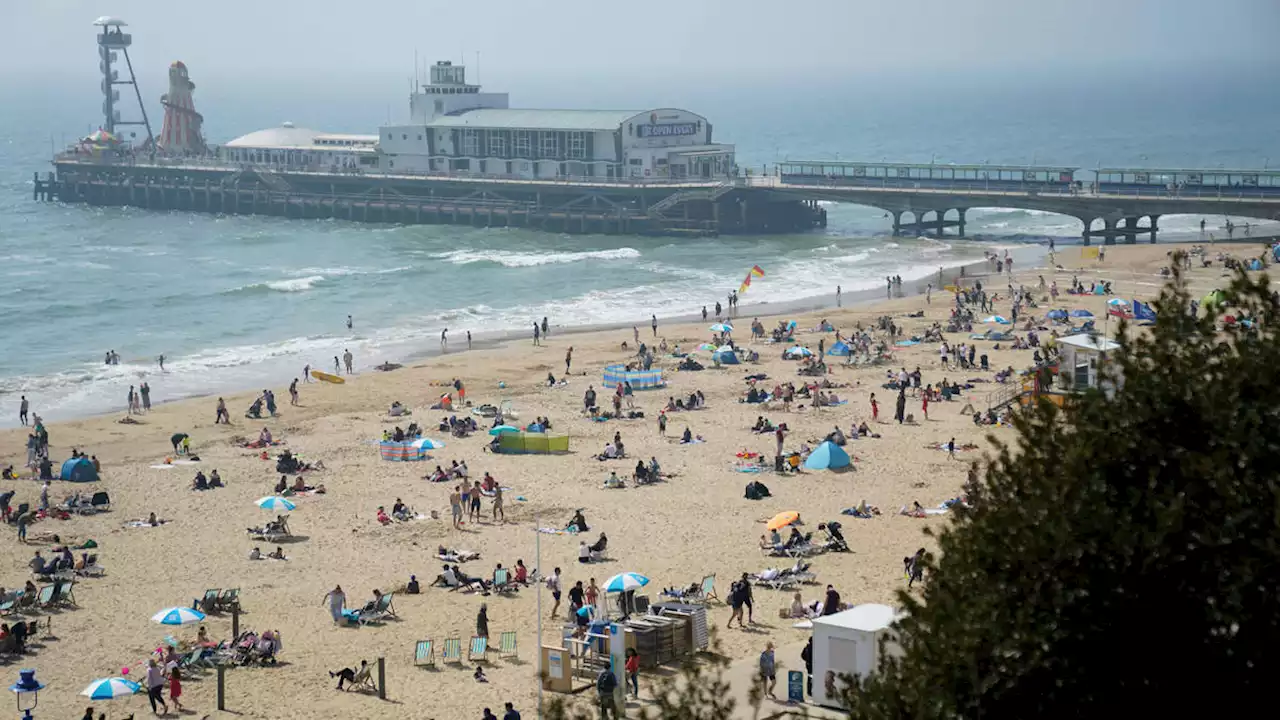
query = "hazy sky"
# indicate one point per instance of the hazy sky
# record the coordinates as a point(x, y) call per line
point(653, 42)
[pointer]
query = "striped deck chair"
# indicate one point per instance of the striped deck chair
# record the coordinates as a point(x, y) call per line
point(479, 649)
point(507, 644)
point(709, 588)
point(452, 651)
point(424, 654)
point(229, 600)
point(65, 597)
point(209, 603)
point(45, 598)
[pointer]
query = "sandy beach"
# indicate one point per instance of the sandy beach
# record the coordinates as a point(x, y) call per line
point(697, 523)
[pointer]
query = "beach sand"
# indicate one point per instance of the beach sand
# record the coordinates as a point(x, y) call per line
point(675, 532)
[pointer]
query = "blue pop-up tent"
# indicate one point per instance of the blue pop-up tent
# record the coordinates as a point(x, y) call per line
point(79, 469)
point(725, 357)
point(828, 456)
point(840, 349)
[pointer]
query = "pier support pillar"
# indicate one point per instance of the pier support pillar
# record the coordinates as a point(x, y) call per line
point(939, 225)
point(1109, 233)
point(897, 222)
point(960, 218)
point(1154, 222)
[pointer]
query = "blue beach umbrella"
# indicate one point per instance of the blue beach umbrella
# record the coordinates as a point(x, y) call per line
point(108, 688)
point(428, 444)
point(503, 429)
point(722, 327)
point(798, 351)
point(996, 319)
point(625, 582)
point(1057, 315)
point(275, 503)
point(178, 616)
point(1081, 314)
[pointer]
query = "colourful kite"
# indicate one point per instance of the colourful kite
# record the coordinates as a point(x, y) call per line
point(755, 272)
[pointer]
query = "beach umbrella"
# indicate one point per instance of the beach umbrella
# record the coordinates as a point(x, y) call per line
point(503, 429)
point(783, 519)
point(1118, 302)
point(428, 444)
point(996, 319)
point(708, 347)
point(108, 688)
point(721, 327)
point(178, 616)
point(1081, 314)
point(275, 503)
point(625, 582)
point(1057, 315)
point(798, 351)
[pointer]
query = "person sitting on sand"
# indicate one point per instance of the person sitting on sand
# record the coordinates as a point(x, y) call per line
point(478, 675)
point(383, 518)
point(277, 554)
point(215, 480)
point(400, 511)
point(521, 573)
point(578, 523)
point(641, 475)
point(613, 482)
point(488, 484)
point(255, 554)
point(798, 609)
point(282, 485)
point(686, 437)
point(200, 482)
point(397, 409)
point(299, 485)
point(600, 545)
point(153, 521)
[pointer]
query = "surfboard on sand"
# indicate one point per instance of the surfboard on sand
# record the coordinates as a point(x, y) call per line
point(326, 377)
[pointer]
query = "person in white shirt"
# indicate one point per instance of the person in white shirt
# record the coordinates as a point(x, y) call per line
point(155, 686)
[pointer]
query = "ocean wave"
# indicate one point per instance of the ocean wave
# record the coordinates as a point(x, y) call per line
point(519, 259)
point(291, 285)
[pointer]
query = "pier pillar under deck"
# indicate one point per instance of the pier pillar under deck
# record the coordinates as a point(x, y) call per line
point(960, 217)
point(1130, 227)
point(1154, 221)
point(1084, 236)
point(1109, 233)
point(939, 225)
point(897, 222)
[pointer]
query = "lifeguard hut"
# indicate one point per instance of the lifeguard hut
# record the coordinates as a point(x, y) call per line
point(1082, 358)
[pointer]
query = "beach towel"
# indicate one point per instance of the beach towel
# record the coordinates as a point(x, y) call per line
point(143, 524)
point(748, 468)
point(907, 343)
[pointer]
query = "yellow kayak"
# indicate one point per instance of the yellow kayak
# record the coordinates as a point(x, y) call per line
point(326, 377)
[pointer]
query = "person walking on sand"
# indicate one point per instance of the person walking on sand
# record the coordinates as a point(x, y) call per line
point(444, 338)
point(632, 667)
point(875, 408)
point(768, 670)
point(145, 392)
point(838, 296)
point(23, 408)
point(306, 373)
point(337, 603)
point(455, 506)
point(704, 313)
point(175, 687)
point(347, 358)
point(951, 448)
point(546, 327)
point(654, 322)
point(468, 339)
point(155, 687)
point(901, 413)
point(537, 333)
point(161, 359)
point(293, 392)
point(662, 423)
point(924, 405)
point(337, 366)
point(499, 515)
point(568, 359)
point(553, 584)
point(223, 417)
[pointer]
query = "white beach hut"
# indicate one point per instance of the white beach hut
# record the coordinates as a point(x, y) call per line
point(1082, 359)
point(848, 643)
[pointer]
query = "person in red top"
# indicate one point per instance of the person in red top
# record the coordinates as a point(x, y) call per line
point(175, 687)
point(875, 408)
point(924, 406)
point(632, 667)
point(522, 573)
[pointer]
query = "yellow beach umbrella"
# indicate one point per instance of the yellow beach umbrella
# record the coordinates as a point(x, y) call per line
point(783, 519)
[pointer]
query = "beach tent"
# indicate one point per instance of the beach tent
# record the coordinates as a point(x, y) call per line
point(828, 456)
point(1212, 298)
point(1255, 264)
point(1143, 311)
point(79, 470)
point(1057, 315)
point(533, 442)
point(840, 349)
point(725, 357)
point(403, 451)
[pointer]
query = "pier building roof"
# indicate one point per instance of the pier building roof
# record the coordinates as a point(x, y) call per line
point(521, 119)
point(295, 138)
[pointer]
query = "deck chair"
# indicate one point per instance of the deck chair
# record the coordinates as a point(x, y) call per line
point(92, 568)
point(10, 605)
point(479, 651)
point(65, 597)
point(363, 679)
point(452, 651)
point(209, 603)
point(709, 589)
point(45, 597)
point(229, 599)
point(507, 644)
point(502, 581)
point(424, 654)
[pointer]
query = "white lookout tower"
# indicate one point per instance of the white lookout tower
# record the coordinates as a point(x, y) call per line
point(448, 93)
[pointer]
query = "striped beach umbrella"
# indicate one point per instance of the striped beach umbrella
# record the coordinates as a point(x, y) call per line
point(722, 328)
point(275, 503)
point(108, 688)
point(178, 616)
point(625, 582)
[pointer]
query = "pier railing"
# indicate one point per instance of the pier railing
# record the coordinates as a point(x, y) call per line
point(1014, 187)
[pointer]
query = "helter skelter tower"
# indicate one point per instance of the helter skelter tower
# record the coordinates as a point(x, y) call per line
point(111, 40)
point(180, 134)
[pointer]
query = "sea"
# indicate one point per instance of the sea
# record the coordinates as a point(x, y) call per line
point(239, 303)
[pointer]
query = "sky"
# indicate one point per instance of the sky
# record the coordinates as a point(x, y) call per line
point(590, 43)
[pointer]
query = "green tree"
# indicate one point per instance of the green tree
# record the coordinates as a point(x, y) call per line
point(1124, 552)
